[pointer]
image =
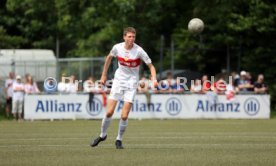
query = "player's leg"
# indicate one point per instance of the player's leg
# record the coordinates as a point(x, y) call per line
point(108, 117)
point(115, 95)
point(123, 124)
point(105, 123)
point(128, 100)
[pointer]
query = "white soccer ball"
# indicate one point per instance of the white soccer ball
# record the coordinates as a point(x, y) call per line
point(196, 26)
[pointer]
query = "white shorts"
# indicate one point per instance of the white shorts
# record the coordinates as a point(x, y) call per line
point(122, 93)
point(17, 106)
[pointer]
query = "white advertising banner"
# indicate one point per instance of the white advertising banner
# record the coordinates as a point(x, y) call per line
point(158, 106)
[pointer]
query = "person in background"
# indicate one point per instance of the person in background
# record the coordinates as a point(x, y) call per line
point(259, 85)
point(144, 86)
point(30, 85)
point(178, 87)
point(196, 87)
point(244, 84)
point(250, 81)
point(230, 91)
point(18, 98)
point(171, 82)
point(9, 93)
point(220, 86)
point(206, 85)
point(235, 78)
point(63, 86)
point(92, 88)
point(73, 85)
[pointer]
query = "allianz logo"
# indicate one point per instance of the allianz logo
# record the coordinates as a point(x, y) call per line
point(206, 106)
point(138, 106)
point(55, 106)
point(173, 106)
point(94, 107)
point(251, 106)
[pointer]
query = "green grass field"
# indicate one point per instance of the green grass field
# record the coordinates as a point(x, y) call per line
point(147, 142)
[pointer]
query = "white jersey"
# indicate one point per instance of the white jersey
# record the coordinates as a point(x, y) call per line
point(8, 85)
point(129, 61)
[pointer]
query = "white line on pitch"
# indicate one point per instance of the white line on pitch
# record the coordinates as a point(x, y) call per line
point(141, 145)
point(140, 137)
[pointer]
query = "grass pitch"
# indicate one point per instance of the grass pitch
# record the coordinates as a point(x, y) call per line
point(147, 142)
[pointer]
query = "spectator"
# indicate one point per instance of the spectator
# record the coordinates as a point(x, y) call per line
point(143, 85)
point(163, 87)
point(166, 86)
point(90, 87)
point(170, 79)
point(18, 97)
point(230, 91)
point(259, 85)
point(73, 85)
point(244, 84)
point(235, 78)
point(178, 87)
point(206, 85)
point(250, 80)
point(9, 93)
point(196, 87)
point(30, 85)
point(63, 86)
point(220, 86)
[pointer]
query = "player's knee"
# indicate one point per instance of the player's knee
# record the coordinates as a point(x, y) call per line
point(124, 117)
point(109, 114)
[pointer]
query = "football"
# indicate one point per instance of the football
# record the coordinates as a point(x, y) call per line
point(195, 26)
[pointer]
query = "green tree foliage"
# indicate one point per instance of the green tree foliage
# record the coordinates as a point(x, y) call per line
point(243, 29)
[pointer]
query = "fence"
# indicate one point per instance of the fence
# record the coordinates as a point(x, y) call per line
point(81, 67)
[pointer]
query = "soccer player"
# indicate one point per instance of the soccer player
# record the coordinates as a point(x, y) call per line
point(125, 82)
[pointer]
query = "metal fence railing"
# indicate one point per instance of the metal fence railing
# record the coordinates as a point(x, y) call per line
point(80, 67)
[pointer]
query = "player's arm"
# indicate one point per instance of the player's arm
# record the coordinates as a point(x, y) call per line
point(153, 74)
point(105, 69)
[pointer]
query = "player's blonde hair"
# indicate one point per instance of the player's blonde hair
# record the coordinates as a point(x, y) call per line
point(129, 29)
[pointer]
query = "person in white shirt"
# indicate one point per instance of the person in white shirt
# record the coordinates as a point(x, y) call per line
point(63, 86)
point(72, 85)
point(18, 98)
point(8, 93)
point(125, 82)
point(196, 86)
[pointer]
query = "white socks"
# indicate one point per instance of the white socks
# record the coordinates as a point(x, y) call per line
point(105, 124)
point(122, 128)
